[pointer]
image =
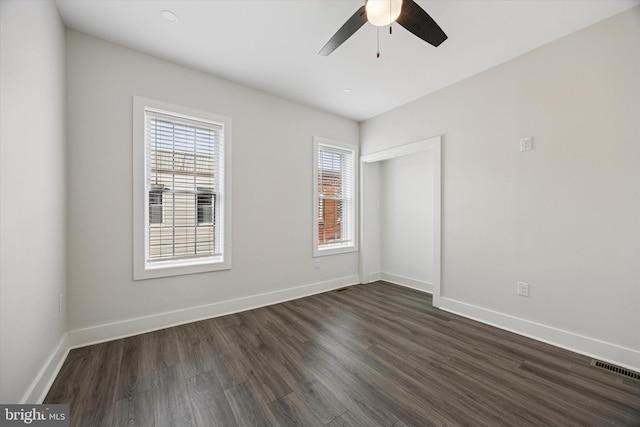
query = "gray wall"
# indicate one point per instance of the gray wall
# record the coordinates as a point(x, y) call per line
point(564, 217)
point(406, 218)
point(32, 214)
point(272, 197)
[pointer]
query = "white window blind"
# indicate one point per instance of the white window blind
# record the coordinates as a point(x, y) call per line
point(184, 174)
point(335, 197)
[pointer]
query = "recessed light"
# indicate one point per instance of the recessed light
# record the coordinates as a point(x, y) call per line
point(347, 90)
point(169, 16)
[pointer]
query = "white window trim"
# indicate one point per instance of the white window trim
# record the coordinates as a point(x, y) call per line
point(352, 246)
point(141, 270)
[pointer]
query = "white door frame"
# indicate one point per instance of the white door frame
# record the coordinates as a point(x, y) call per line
point(416, 147)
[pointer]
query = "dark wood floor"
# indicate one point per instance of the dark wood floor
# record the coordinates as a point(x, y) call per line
point(377, 355)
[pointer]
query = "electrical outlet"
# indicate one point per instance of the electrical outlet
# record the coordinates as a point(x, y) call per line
point(316, 263)
point(523, 289)
point(526, 144)
point(60, 303)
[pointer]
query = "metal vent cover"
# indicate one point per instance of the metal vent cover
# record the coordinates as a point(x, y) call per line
point(341, 290)
point(615, 369)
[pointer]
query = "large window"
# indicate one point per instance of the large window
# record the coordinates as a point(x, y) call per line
point(334, 197)
point(181, 168)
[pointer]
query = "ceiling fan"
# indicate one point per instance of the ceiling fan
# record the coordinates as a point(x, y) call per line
point(384, 12)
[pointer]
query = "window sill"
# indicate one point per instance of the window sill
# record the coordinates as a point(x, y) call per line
point(334, 250)
point(178, 269)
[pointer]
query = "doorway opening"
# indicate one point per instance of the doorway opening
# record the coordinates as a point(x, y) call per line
point(374, 216)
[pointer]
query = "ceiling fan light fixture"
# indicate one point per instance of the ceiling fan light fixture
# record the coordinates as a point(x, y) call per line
point(406, 13)
point(383, 12)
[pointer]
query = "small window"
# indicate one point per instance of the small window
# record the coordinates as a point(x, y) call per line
point(155, 206)
point(335, 197)
point(206, 206)
point(181, 163)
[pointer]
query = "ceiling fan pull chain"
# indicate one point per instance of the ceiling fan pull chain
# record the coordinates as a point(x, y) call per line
point(390, 19)
point(378, 40)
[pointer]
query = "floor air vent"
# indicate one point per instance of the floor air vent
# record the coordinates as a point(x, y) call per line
point(615, 369)
point(341, 290)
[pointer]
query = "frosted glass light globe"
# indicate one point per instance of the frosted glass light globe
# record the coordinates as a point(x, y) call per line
point(383, 12)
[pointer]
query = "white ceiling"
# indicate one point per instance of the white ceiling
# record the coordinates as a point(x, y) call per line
point(272, 45)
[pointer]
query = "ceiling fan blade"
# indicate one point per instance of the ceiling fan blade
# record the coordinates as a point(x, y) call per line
point(352, 25)
point(417, 21)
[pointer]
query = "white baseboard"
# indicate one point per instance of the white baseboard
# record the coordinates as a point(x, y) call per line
point(407, 282)
point(140, 325)
point(374, 277)
point(42, 383)
point(607, 352)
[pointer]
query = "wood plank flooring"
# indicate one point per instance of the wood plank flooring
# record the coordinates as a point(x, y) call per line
point(377, 355)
